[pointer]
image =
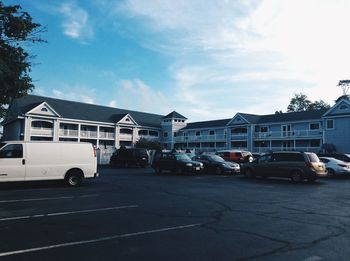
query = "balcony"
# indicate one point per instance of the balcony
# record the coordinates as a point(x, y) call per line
point(42, 132)
point(88, 134)
point(220, 137)
point(107, 135)
point(288, 134)
point(281, 148)
point(239, 136)
point(125, 136)
point(68, 133)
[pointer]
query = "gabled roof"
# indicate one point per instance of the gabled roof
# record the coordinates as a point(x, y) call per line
point(81, 111)
point(174, 115)
point(292, 116)
point(206, 124)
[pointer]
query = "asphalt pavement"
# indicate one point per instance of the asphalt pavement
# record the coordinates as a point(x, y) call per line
point(133, 214)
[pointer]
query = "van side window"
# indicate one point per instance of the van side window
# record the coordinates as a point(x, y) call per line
point(12, 151)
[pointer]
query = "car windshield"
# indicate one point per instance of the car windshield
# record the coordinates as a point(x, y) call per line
point(216, 158)
point(182, 157)
point(313, 157)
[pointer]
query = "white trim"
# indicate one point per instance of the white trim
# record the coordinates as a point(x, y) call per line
point(128, 116)
point(43, 104)
point(234, 117)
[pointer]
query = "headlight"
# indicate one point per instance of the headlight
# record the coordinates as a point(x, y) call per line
point(201, 164)
point(189, 164)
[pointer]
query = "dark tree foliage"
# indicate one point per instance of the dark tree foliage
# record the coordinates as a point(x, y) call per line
point(147, 144)
point(300, 102)
point(16, 30)
point(345, 96)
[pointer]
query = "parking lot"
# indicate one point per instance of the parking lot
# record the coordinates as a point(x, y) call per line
point(133, 214)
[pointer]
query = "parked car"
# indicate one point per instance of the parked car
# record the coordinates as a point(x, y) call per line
point(335, 166)
point(339, 156)
point(216, 164)
point(175, 162)
point(295, 165)
point(257, 155)
point(129, 157)
point(238, 156)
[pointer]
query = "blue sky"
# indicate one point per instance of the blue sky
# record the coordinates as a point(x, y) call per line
point(205, 59)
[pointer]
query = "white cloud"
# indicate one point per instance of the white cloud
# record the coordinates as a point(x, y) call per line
point(76, 24)
point(248, 54)
point(75, 93)
point(112, 103)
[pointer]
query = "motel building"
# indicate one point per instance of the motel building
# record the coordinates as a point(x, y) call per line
point(42, 118)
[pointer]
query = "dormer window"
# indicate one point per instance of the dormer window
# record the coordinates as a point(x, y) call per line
point(127, 119)
point(44, 109)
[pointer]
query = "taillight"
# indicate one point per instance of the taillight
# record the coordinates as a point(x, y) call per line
point(94, 150)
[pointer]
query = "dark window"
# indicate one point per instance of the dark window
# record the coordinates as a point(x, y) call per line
point(264, 129)
point(198, 133)
point(314, 126)
point(12, 151)
point(315, 143)
point(264, 158)
point(143, 132)
point(153, 133)
point(211, 132)
point(165, 134)
point(288, 157)
point(330, 124)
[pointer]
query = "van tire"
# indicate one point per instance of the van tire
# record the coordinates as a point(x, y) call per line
point(74, 178)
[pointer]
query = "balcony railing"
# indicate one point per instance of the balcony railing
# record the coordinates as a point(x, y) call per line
point(68, 133)
point(288, 134)
point(45, 132)
point(106, 135)
point(125, 136)
point(218, 137)
point(88, 134)
point(269, 149)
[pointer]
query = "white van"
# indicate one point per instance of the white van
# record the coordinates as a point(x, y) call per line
point(38, 160)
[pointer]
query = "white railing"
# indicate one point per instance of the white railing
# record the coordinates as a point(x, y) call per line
point(218, 137)
point(88, 134)
point(69, 133)
point(106, 135)
point(269, 149)
point(149, 137)
point(288, 134)
point(47, 132)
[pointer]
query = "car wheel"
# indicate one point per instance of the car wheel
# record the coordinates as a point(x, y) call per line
point(249, 173)
point(218, 171)
point(330, 173)
point(296, 176)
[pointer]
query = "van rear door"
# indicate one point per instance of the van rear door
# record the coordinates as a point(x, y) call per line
point(12, 162)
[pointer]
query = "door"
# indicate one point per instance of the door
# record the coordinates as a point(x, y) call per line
point(12, 163)
point(286, 130)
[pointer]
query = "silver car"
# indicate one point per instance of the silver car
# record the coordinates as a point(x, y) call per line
point(335, 166)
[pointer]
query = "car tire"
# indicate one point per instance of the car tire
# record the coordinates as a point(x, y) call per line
point(330, 173)
point(296, 176)
point(218, 171)
point(249, 173)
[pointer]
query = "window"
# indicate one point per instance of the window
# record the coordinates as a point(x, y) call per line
point(44, 109)
point(288, 157)
point(153, 133)
point(315, 126)
point(330, 124)
point(264, 129)
point(127, 119)
point(165, 134)
point(211, 132)
point(315, 143)
point(198, 133)
point(12, 151)
point(143, 132)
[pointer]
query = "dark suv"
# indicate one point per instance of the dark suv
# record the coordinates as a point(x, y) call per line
point(129, 157)
point(295, 165)
point(175, 162)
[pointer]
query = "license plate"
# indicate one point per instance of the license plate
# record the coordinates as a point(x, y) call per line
point(198, 168)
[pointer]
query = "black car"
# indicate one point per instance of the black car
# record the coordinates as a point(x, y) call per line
point(339, 156)
point(175, 162)
point(129, 157)
point(216, 164)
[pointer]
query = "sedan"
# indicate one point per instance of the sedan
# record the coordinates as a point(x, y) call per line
point(335, 166)
point(216, 164)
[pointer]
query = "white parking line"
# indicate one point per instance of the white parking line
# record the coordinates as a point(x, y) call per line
point(67, 213)
point(16, 252)
point(42, 199)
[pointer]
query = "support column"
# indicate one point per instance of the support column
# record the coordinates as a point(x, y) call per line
point(116, 137)
point(56, 130)
point(79, 129)
point(27, 128)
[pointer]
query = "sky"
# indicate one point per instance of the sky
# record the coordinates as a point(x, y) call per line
point(205, 59)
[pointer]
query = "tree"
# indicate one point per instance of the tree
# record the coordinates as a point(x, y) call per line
point(300, 102)
point(16, 30)
point(147, 144)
